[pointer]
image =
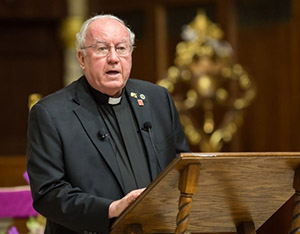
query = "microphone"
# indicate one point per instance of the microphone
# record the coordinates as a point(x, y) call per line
point(102, 134)
point(147, 126)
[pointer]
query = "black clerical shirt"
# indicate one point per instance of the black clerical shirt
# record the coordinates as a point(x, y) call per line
point(125, 139)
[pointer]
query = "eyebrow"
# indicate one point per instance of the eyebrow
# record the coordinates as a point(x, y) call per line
point(104, 42)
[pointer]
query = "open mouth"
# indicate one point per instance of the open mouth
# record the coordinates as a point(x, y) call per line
point(111, 73)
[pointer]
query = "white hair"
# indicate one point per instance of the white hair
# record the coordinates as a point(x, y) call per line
point(81, 35)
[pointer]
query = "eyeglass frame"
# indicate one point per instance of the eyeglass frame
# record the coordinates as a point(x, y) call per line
point(109, 47)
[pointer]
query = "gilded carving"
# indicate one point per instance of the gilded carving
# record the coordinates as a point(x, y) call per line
point(210, 90)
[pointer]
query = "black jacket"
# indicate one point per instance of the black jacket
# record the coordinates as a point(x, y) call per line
point(73, 174)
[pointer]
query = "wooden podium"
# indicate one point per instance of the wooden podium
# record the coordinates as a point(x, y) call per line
point(214, 193)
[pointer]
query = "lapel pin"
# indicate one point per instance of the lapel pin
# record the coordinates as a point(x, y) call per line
point(134, 95)
point(142, 96)
point(140, 102)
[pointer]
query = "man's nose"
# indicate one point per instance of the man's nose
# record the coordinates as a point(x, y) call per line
point(112, 55)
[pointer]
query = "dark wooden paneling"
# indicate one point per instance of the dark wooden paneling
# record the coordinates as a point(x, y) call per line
point(31, 61)
point(266, 51)
point(32, 9)
point(294, 59)
point(12, 168)
point(268, 62)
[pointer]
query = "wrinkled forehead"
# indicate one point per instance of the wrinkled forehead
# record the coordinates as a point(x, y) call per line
point(107, 30)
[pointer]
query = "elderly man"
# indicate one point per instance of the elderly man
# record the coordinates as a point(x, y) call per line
point(95, 145)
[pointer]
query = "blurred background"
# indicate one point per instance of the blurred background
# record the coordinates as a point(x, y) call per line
point(37, 56)
point(37, 36)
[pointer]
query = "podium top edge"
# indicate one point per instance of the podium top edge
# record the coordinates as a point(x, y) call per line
point(238, 154)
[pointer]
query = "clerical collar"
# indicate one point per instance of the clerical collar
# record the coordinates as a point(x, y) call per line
point(104, 99)
point(114, 101)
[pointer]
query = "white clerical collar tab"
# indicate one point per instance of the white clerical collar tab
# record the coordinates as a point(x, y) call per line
point(114, 101)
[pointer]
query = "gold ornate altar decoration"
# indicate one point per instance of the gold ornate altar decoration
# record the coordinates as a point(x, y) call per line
point(210, 91)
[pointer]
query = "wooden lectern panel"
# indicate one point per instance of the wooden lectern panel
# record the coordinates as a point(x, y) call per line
point(232, 188)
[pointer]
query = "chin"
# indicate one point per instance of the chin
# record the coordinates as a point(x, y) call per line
point(114, 90)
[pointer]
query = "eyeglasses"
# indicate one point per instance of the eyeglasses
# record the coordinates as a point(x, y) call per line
point(102, 49)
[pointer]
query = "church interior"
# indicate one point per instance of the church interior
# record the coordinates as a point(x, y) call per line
point(232, 67)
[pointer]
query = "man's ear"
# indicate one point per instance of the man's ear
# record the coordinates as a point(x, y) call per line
point(80, 57)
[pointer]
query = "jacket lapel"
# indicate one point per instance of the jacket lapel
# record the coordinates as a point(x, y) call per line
point(140, 104)
point(141, 107)
point(88, 114)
